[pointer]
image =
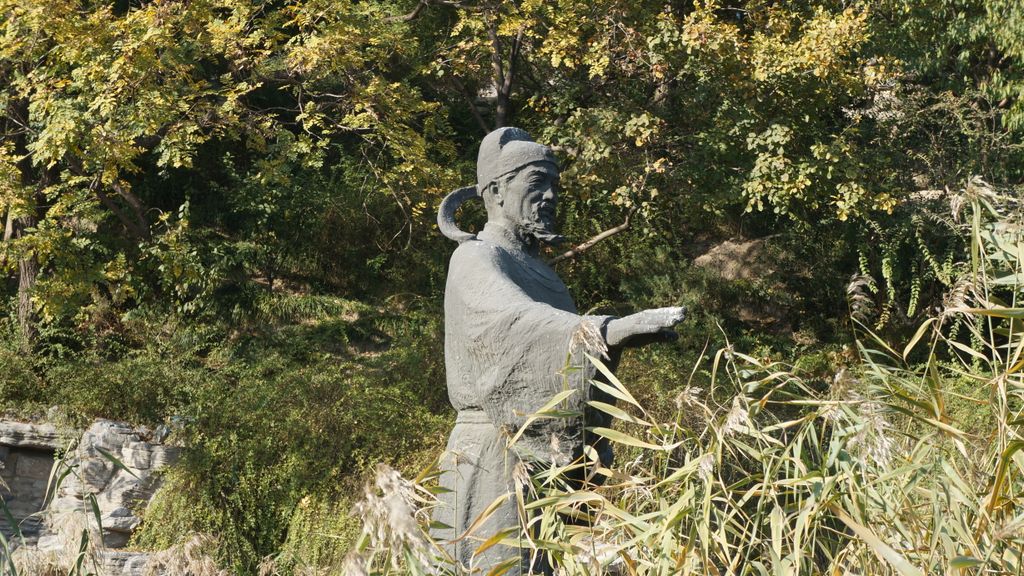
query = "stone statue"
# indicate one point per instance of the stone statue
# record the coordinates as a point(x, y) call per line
point(511, 330)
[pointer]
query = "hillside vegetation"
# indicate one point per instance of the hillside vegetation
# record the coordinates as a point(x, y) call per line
point(219, 217)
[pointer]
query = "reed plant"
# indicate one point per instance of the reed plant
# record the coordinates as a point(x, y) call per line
point(908, 462)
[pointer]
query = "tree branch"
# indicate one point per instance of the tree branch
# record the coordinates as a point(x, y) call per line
point(499, 80)
point(472, 104)
point(138, 227)
point(594, 240)
point(141, 225)
point(8, 234)
point(410, 16)
point(496, 65)
point(506, 87)
point(9, 226)
point(109, 203)
point(132, 226)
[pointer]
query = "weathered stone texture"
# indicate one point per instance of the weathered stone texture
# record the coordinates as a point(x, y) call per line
point(34, 436)
point(112, 462)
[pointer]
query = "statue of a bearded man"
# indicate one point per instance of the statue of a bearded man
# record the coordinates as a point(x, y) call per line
point(511, 330)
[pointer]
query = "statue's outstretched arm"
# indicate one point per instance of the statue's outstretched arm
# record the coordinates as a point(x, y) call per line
point(654, 325)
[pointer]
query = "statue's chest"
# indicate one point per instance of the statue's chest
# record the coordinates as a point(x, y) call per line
point(538, 281)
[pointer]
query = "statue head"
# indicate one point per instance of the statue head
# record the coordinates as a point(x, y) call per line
point(517, 179)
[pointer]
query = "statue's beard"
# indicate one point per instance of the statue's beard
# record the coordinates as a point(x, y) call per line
point(541, 225)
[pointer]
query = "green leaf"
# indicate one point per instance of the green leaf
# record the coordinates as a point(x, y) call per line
point(965, 562)
point(997, 312)
point(617, 413)
point(623, 394)
point(883, 550)
point(623, 438)
point(11, 521)
point(95, 508)
point(917, 336)
point(7, 556)
point(563, 500)
point(544, 412)
point(114, 460)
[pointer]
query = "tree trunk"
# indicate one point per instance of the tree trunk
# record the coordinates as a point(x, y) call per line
point(28, 264)
point(502, 76)
point(28, 273)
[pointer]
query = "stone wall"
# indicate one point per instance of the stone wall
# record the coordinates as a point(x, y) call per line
point(26, 456)
point(111, 464)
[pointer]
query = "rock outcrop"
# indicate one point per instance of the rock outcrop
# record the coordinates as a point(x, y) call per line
point(109, 472)
point(30, 436)
point(738, 259)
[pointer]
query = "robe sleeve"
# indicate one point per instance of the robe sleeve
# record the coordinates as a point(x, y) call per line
point(516, 352)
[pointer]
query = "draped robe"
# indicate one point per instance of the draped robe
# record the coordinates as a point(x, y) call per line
point(509, 337)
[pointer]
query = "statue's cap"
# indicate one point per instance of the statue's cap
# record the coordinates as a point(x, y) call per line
point(506, 150)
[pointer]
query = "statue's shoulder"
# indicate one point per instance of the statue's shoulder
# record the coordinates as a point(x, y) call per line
point(476, 252)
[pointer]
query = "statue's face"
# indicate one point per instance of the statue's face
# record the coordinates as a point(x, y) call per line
point(530, 198)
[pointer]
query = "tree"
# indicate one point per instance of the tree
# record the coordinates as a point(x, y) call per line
point(110, 111)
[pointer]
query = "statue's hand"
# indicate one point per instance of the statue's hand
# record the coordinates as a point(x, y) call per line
point(654, 325)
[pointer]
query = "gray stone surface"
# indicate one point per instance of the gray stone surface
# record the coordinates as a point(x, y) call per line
point(120, 490)
point(25, 473)
point(511, 330)
point(137, 455)
point(33, 436)
point(122, 563)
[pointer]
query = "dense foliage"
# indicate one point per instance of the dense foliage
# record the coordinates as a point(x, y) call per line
point(219, 214)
